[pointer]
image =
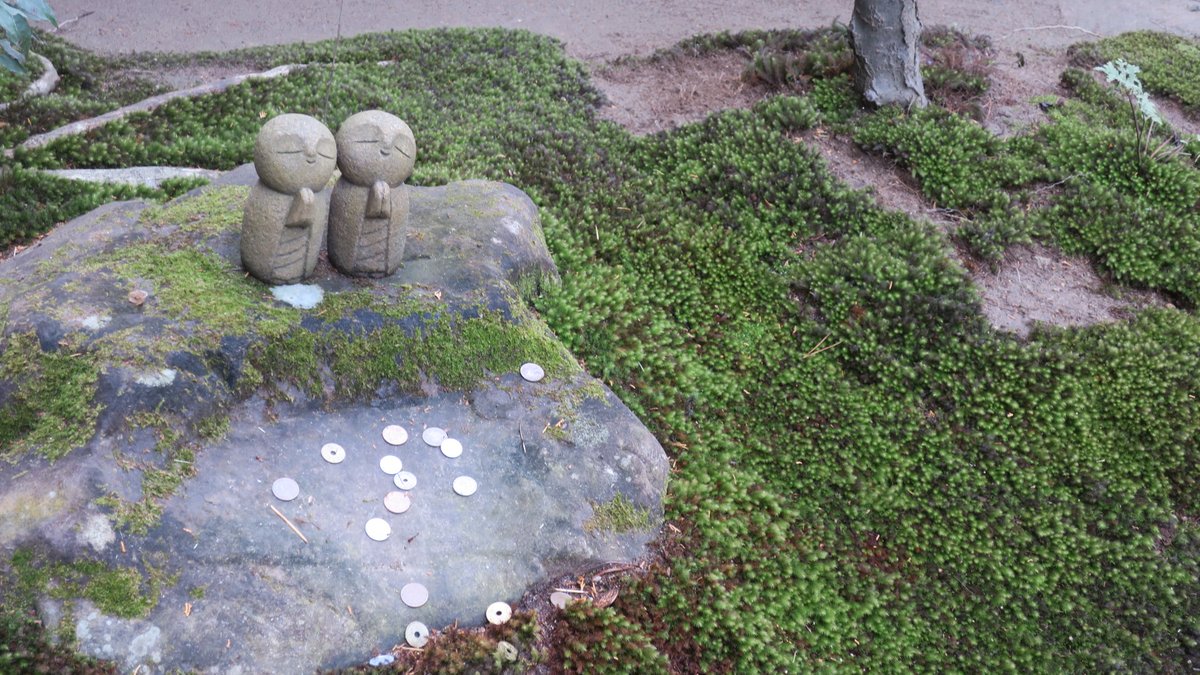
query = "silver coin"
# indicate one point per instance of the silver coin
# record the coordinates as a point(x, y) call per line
point(560, 599)
point(378, 529)
point(451, 448)
point(395, 435)
point(396, 502)
point(498, 613)
point(416, 635)
point(405, 480)
point(414, 594)
point(433, 436)
point(390, 464)
point(465, 486)
point(333, 453)
point(506, 650)
point(532, 372)
point(285, 489)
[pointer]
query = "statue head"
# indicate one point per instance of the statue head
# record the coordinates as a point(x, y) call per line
point(374, 145)
point(294, 152)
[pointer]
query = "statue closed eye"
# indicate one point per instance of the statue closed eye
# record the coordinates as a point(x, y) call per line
point(369, 207)
point(285, 219)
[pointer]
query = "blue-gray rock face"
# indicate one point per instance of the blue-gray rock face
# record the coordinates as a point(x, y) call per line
point(246, 592)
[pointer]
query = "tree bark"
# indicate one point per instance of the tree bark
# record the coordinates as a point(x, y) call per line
point(885, 36)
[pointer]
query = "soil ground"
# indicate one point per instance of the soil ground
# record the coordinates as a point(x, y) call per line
point(1033, 284)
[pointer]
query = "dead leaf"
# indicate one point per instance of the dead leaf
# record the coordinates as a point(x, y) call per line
point(607, 598)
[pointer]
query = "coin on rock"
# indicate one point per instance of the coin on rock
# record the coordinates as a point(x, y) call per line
point(416, 635)
point(433, 436)
point(395, 435)
point(465, 486)
point(390, 464)
point(378, 529)
point(451, 448)
point(405, 480)
point(285, 489)
point(396, 502)
point(507, 651)
point(414, 595)
point(333, 453)
point(532, 372)
point(498, 613)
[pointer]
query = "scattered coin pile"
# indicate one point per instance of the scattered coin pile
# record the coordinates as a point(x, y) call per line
point(398, 501)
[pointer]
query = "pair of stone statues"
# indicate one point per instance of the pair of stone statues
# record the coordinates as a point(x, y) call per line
point(289, 209)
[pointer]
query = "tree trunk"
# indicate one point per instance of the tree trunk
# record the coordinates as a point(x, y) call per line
point(885, 35)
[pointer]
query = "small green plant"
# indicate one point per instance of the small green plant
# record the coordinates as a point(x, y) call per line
point(15, 33)
point(617, 515)
point(1141, 108)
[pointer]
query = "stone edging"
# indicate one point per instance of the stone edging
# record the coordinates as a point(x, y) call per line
point(42, 86)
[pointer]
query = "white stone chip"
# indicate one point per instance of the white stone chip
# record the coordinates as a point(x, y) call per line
point(397, 502)
point(333, 453)
point(416, 635)
point(395, 434)
point(465, 486)
point(434, 436)
point(300, 296)
point(378, 529)
point(390, 464)
point(452, 448)
point(498, 613)
point(405, 480)
point(285, 489)
point(414, 595)
point(532, 372)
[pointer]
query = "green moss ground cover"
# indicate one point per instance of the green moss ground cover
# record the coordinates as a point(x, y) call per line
point(867, 477)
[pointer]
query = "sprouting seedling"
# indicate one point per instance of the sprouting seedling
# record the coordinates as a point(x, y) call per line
point(1144, 112)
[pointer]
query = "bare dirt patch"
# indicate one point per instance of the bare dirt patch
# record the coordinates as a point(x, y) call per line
point(1037, 284)
point(648, 96)
point(893, 188)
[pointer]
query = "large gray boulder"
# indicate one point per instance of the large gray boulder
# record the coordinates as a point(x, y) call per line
point(172, 391)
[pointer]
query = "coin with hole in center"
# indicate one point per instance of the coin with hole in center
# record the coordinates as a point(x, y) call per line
point(465, 486)
point(333, 453)
point(498, 613)
point(285, 489)
point(417, 634)
point(451, 448)
point(532, 372)
point(433, 436)
point(395, 435)
point(396, 502)
point(390, 464)
point(378, 529)
point(405, 480)
point(414, 595)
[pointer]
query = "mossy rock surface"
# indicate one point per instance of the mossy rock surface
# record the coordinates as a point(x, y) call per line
point(151, 392)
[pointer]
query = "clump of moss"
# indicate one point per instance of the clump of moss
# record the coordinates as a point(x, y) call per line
point(594, 639)
point(618, 515)
point(52, 409)
point(26, 648)
point(1169, 62)
point(119, 591)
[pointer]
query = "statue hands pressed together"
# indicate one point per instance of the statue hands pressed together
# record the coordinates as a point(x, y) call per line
point(369, 206)
point(285, 219)
point(302, 211)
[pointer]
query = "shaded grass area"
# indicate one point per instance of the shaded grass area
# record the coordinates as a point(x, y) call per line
point(866, 475)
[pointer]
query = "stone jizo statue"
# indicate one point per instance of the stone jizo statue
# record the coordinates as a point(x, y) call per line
point(283, 226)
point(368, 213)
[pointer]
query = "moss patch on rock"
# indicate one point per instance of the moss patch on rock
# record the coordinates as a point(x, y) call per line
point(53, 408)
